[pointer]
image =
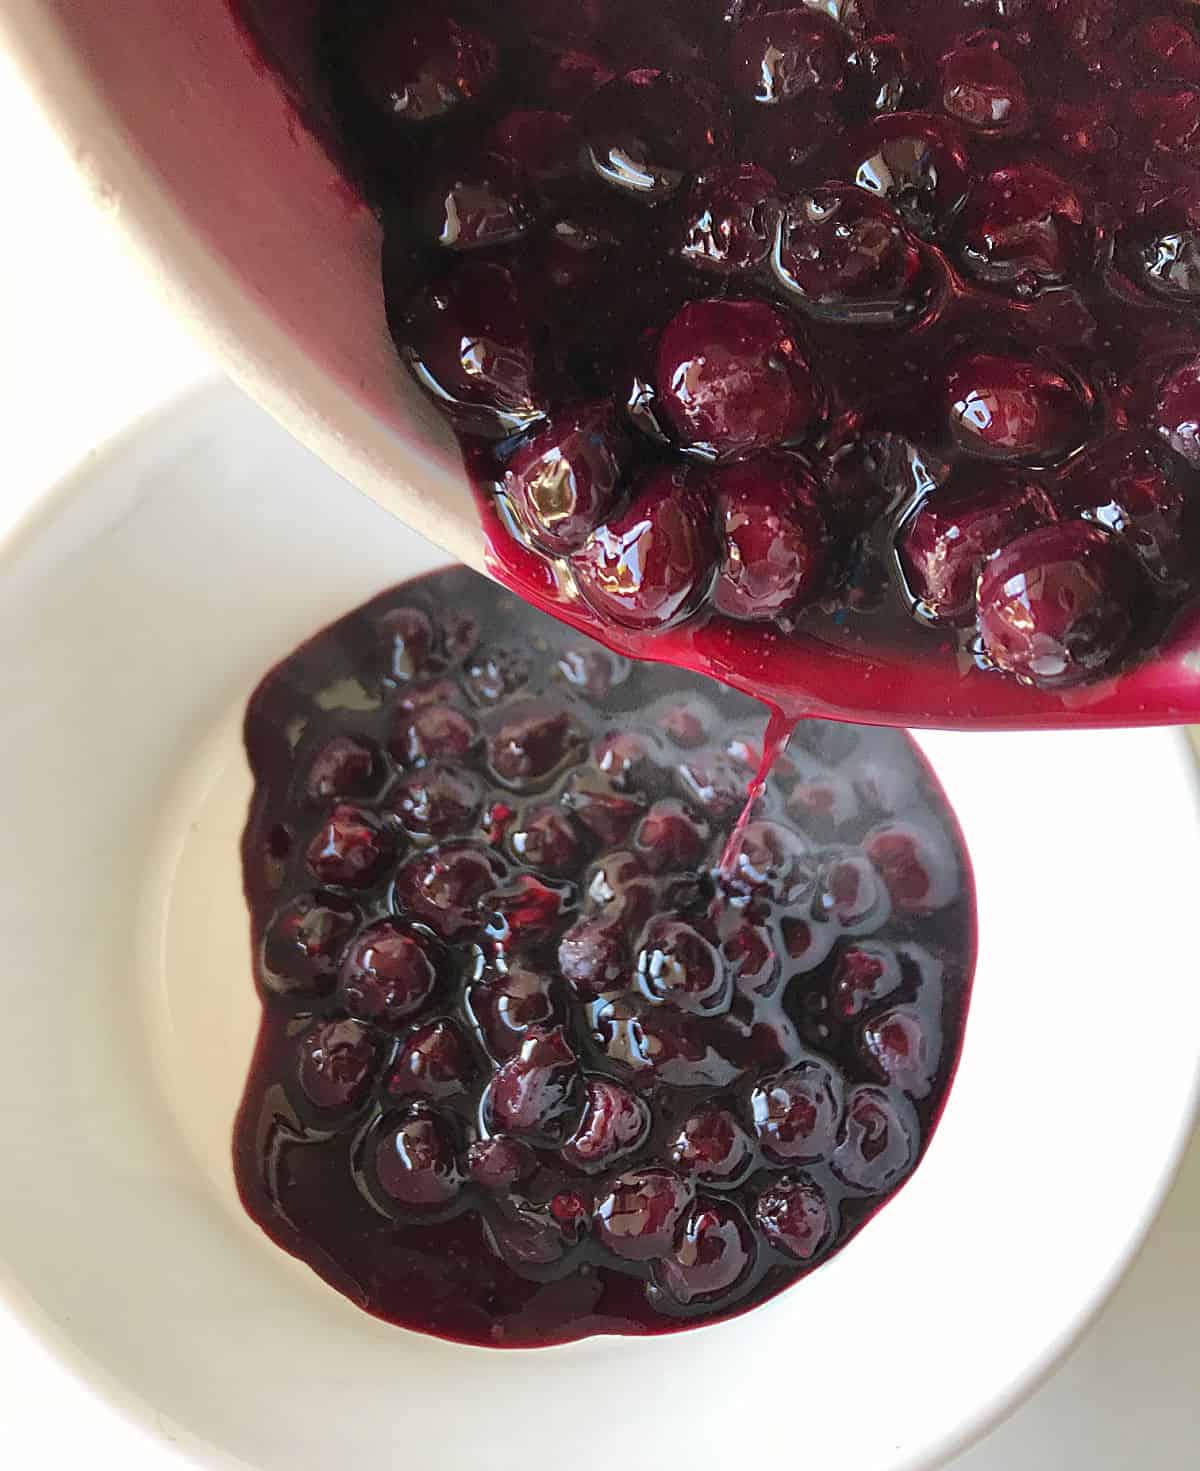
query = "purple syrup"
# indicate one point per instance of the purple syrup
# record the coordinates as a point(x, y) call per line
point(730, 303)
point(543, 1052)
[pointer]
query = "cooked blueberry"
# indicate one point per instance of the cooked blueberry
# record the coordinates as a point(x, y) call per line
point(533, 742)
point(846, 257)
point(437, 800)
point(984, 91)
point(537, 1094)
point(651, 563)
point(1015, 408)
point(647, 131)
point(916, 163)
point(350, 847)
point(338, 1060)
point(466, 341)
point(416, 67)
point(388, 974)
point(917, 864)
point(728, 220)
point(795, 1217)
point(303, 942)
point(563, 481)
point(639, 1216)
point(499, 1163)
point(713, 1146)
point(774, 539)
point(450, 888)
point(432, 732)
point(677, 965)
point(904, 1049)
point(732, 379)
point(414, 1161)
point(796, 1113)
point(784, 55)
point(946, 544)
point(1023, 227)
point(615, 1122)
point(714, 1252)
point(877, 1142)
point(1060, 605)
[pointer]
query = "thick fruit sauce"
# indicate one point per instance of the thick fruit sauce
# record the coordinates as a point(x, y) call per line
point(551, 1045)
point(776, 334)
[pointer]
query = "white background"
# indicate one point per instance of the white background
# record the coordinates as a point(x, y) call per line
point(84, 349)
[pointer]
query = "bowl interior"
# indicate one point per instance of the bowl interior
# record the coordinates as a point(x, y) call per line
point(139, 608)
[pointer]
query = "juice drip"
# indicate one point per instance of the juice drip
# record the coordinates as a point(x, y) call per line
point(778, 733)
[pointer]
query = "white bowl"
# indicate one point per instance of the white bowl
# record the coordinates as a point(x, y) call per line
point(138, 607)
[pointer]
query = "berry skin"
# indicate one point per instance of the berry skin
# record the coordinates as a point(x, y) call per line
point(983, 90)
point(916, 163)
point(647, 131)
point(638, 1218)
point(946, 544)
point(714, 1252)
point(677, 965)
point(785, 55)
point(796, 1114)
point(536, 1095)
point(303, 942)
point(903, 1050)
point(1060, 605)
point(713, 1146)
point(651, 564)
point(436, 801)
point(337, 1063)
point(1176, 414)
point(387, 974)
point(794, 1216)
point(466, 340)
point(343, 767)
point(1013, 408)
point(877, 1143)
point(414, 1161)
point(846, 257)
point(1137, 488)
point(449, 889)
point(615, 1122)
point(433, 1061)
point(728, 220)
point(563, 481)
point(1023, 227)
point(774, 540)
point(731, 379)
point(349, 848)
point(416, 68)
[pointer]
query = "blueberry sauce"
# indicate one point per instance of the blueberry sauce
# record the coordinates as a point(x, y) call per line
point(544, 1051)
point(769, 332)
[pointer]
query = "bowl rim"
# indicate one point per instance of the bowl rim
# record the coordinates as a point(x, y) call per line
point(94, 1378)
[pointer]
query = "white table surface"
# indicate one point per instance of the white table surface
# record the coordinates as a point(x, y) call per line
point(84, 349)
